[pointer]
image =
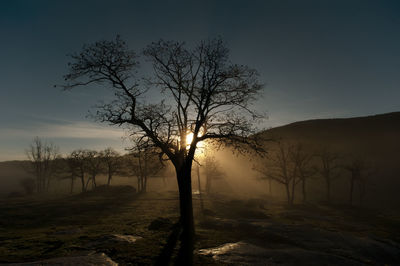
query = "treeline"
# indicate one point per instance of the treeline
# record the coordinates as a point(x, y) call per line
point(84, 166)
point(293, 165)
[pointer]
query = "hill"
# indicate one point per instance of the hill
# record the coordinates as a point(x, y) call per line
point(378, 131)
point(374, 139)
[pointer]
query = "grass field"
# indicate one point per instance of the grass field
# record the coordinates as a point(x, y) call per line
point(37, 228)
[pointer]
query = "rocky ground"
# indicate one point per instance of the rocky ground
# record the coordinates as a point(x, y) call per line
point(307, 235)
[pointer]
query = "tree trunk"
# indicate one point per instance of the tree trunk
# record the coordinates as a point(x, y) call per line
point(144, 187)
point(288, 193)
point(83, 183)
point(87, 183)
point(37, 184)
point(48, 184)
point(199, 185)
point(362, 191)
point(109, 179)
point(328, 190)
point(186, 215)
point(43, 189)
point(72, 184)
point(146, 172)
point(304, 190)
point(293, 188)
point(351, 191)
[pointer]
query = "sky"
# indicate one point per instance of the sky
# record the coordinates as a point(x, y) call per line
point(317, 59)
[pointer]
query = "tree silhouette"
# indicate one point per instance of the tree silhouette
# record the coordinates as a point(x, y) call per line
point(143, 163)
point(71, 170)
point(359, 172)
point(94, 166)
point(280, 168)
point(77, 166)
point(212, 171)
point(302, 161)
point(202, 93)
point(112, 161)
point(328, 169)
point(43, 157)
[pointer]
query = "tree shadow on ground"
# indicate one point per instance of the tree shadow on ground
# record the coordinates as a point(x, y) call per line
point(167, 252)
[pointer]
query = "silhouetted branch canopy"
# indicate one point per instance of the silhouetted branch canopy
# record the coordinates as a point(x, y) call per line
point(202, 92)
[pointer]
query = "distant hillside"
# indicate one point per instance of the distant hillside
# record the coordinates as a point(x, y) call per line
point(375, 139)
point(378, 127)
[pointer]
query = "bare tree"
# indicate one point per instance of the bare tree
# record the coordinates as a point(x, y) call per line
point(302, 162)
point(212, 171)
point(370, 170)
point(43, 157)
point(93, 166)
point(203, 93)
point(143, 163)
point(359, 172)
point(77, 166)
point(328, 169)
point(71, 168)
point(199, 187)
point(279, 167)
point(112, 162)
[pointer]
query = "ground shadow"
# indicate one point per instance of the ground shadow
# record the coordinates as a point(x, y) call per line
point(165, 256)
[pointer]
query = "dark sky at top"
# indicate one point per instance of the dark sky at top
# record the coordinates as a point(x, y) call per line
point(318, 59)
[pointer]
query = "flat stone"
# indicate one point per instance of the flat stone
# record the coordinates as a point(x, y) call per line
point(126, 238)
point(242, 253)
point(113, 238)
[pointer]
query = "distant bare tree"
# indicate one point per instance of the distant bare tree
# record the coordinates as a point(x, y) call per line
point(199, 187)
point(94, 166)
point(328, 168)
point(144, 163)
point(359, 172)
point(302, 162)
point(78, 166)
point(280, 168)
point(43, 157)
point(112, 162)
point(202, 91)
point(71, 169)
point(212, 171)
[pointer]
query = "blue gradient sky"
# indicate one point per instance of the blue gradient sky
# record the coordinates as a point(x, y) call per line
point(319, 59)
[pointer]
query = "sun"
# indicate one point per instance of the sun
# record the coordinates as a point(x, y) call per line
point(189, 138)
point(200, 145)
